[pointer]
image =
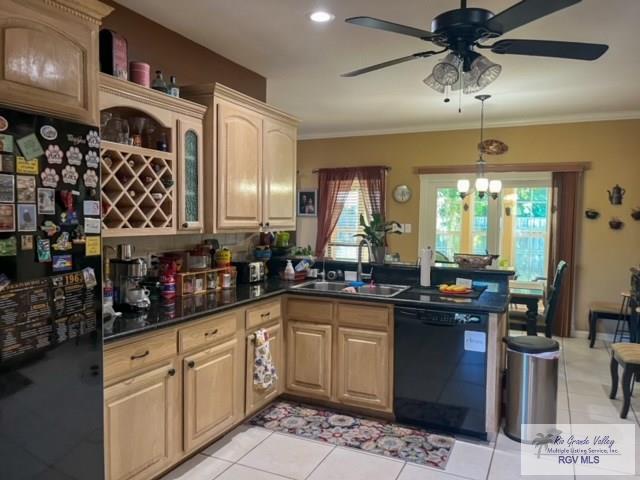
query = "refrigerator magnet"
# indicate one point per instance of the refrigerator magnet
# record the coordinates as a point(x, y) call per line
point(48, 132)
point(30, 146)
point(54, 154)
point(93, 139)
point(69, 175)
point(46, 201)
point(4, 124)
point(7, 163)
point(74, 156)
point(49, 228)
point(89, 276)
point(26, 242)
point(62, 263)
point(27, 218)
point(92, 159)
point(8, 247)
point(91, 207)
point(30, 167)
point(92, 246)
point(7, 189)
point(6, 143)
point(7, 218)
point(26, 188)
point(62, 244)
point(91, 225)
point(43, 246)
point(49, 178)
point(90, 178)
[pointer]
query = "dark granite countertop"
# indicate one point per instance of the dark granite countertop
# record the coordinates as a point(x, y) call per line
point(163, 314)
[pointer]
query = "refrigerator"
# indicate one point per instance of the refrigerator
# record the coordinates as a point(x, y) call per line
point(51, 394)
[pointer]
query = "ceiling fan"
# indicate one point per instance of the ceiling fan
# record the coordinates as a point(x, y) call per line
point(462, 31)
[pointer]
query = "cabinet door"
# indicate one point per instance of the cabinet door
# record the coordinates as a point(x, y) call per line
point(239, 135)
point(257, 398)
point(363, 368)
point(140, 424)
point(279, 179)
point(213, 395)
point(309, 359)
point(190, 176)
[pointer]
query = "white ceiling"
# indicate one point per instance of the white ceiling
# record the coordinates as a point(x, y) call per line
point(303, 62)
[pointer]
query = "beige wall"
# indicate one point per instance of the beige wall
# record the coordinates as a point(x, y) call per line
point(604, 255)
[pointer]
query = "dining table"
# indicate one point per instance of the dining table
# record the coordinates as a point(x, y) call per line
point(529, 297)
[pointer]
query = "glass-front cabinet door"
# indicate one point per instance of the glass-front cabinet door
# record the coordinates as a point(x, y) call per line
point(190, 193)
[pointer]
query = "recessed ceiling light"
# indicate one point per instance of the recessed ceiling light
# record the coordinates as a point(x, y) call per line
point(321, 16)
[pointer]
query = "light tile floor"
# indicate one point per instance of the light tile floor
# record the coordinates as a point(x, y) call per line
point(253, 453)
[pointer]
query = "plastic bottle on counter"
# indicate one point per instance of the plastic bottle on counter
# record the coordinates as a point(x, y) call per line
point(289, 272)
point(426, 261)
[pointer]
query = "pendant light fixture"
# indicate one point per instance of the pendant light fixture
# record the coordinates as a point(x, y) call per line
point(483, 185)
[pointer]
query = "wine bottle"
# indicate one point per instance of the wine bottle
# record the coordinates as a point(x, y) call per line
point(159, 83)
point(174, 89)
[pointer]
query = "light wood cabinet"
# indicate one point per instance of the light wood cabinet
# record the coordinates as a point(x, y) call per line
point(309, 349)
point(239, 159)
point(213, 392)
point(279, 179)
point(139, 423)
point(362, 368)
point(256, 397)
point(250, 161)
point(49, 60)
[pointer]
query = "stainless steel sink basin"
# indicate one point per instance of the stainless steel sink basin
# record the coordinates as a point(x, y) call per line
point(377, 290)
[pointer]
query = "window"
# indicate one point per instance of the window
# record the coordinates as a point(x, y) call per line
point(343, 245)
point(515, 225)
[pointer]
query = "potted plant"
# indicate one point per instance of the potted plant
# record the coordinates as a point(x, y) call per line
point(376, 233)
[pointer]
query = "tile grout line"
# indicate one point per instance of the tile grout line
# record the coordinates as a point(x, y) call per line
point(401, 470)
point(321, 462)
point(252, 448)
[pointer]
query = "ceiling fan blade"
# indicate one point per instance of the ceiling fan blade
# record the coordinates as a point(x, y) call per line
point(388, 63)
point(390, 27)
point(524, 12)
point(548, 48)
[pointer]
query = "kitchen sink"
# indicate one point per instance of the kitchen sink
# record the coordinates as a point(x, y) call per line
point(376, 290)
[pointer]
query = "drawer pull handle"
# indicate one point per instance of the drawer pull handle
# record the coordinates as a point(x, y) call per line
point(172, 372)
point(265, 315)
point(206, 334)
point(191, 364)
point(141, 355)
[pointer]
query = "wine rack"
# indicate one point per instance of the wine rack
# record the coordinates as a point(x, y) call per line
point(138, 190)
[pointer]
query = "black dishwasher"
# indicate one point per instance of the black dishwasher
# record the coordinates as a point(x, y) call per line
point(441, 369)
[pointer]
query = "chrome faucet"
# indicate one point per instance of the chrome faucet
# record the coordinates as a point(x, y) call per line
point(359, 275)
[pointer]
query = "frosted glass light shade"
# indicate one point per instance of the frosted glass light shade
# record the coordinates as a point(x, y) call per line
point(464, 185)
point(495, 186)
point(447, 72)
point(431, 82)
point(482, 184)
point(485, 71)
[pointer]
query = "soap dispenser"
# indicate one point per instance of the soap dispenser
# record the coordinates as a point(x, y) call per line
point(289, 272)
point(426, 261)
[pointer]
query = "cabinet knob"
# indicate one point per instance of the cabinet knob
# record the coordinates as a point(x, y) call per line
point(261, 224)
point(185, 225)
point(267, 224)
point(191, 364)
point(172, 372)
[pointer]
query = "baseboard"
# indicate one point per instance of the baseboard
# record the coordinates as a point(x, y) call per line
point(608, 337)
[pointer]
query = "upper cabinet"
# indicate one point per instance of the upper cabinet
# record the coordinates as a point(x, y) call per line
point(250, 162)
point(50, 56)
point(152, 154)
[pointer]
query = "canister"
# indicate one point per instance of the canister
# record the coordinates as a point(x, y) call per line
point(139, 72)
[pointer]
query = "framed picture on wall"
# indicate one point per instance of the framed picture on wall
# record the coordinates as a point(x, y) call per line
point(307, 203)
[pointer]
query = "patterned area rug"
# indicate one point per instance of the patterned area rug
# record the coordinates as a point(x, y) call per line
point(373, 436)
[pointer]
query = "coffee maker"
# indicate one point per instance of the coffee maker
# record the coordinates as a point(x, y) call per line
point(126, 274)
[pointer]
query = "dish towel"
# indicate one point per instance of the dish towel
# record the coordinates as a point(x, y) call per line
point(264, 372)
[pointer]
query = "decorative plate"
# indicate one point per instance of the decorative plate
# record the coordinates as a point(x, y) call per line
point(492, 146)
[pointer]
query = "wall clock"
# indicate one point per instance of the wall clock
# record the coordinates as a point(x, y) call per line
point(402, 194)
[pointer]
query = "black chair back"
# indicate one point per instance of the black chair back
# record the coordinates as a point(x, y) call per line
point(552, 298)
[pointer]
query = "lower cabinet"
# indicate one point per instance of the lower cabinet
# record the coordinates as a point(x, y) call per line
point(362, 369)
point(213, 392)
point(309, 359)
point(139, 427)
point(257, 397)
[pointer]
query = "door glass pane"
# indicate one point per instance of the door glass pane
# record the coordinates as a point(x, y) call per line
point(480, 224)
point(191, 176)
point(448, 221)
point(530, 233)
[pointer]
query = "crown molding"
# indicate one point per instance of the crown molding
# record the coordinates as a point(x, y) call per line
point(582, 118)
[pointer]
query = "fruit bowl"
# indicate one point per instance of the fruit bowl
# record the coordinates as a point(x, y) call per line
point(467, 260)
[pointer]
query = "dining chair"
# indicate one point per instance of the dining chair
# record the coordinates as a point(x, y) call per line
point(552, 298)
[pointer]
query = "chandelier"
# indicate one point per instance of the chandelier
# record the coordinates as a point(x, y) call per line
point(483, 184)
point(469, 74)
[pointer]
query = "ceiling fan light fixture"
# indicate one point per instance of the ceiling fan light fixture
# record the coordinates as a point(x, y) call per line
point(447, 72)
point(431, 82)
point(321, 16)
point(485, 71)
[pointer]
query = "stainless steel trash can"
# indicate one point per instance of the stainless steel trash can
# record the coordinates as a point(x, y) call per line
point(532, 385)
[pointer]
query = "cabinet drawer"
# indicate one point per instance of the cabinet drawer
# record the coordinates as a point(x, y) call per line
point(262, 314)
point(368, 316)
point(311, 310)
point(208, 332)
point(135, 355)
